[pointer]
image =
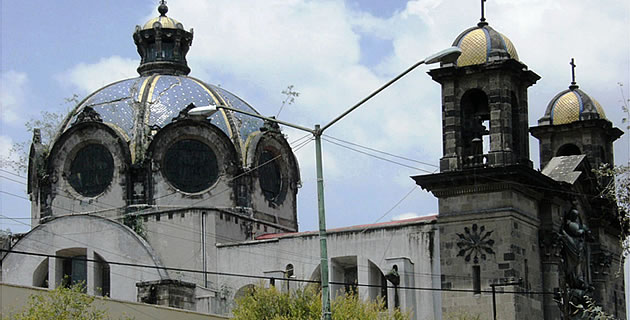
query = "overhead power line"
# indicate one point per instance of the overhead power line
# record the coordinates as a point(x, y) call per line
point(242, 275)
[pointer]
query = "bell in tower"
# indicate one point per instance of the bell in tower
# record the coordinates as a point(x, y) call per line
point(484, 102)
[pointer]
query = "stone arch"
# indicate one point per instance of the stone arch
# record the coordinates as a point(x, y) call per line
point(244, 291)
point(377, 282)
point(61, 196)
point(475, 122)
point(224, 153)
point(40, 275)
point(568, 149)
point(96, 237)
point(275, 176)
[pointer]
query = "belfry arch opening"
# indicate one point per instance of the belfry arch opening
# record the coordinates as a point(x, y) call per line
point(568, 149)
point(475, 120)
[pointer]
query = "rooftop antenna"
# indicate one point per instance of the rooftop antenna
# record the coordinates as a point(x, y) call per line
point(573, 85)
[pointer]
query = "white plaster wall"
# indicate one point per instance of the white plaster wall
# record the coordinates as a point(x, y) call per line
point(414, 241)
point(109, 239)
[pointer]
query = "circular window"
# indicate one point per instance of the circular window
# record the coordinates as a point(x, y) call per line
point(269, 175)
point(190, 165)
point(91, 170)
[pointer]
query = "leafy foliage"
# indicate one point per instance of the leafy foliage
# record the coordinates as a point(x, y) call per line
point(48, 123)
point(591, 311)
point(270, 304)
point(60, 304)
point(134, 222)
point(289, 97)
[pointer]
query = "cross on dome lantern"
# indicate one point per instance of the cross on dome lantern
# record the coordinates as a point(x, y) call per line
point(482, 21)
point(573, 85)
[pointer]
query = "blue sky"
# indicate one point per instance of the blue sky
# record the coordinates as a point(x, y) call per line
point(334, 53)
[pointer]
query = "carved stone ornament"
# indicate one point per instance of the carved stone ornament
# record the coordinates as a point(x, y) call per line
point(475, 243)
point(270, 126)
point(88, 115)
point(551, 244)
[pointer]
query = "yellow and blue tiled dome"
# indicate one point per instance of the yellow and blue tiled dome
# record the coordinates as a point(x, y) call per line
point(163, 20)
point(482, 44)
point(571, 105)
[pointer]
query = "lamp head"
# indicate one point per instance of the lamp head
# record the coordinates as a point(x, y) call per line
point(447, 55)
point(203, 111)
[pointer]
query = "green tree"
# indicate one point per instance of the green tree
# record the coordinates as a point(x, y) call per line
point(48, 123)
point(60, 304)
point(305, 304)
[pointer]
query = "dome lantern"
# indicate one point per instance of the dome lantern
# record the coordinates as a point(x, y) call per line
point(163, 44)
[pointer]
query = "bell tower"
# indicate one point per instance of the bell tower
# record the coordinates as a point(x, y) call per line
point(574, 123)
point(487, 198)
point(484, 102)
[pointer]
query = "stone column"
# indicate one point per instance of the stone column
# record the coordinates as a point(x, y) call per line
point(90, 274)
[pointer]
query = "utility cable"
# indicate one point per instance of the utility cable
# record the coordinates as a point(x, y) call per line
point(242, 275)
point(382, 152)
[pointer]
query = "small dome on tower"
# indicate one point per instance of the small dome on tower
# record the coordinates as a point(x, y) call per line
point(572, 105)
point(164, 21)
point(482, 44)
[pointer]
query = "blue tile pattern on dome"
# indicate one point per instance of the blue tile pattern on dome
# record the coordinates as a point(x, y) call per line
point(246, 124)
point(159, 99)
point(116, 104)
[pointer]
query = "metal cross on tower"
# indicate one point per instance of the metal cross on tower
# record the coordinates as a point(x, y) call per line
point(573, 85)
point(572, 71)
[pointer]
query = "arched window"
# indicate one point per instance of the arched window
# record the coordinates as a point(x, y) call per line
point(475, 115)
point(40, 276)
point(190, 165)
point(568, 149)
point(91, 170)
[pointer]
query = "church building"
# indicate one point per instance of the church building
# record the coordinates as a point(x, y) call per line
point(146, 201)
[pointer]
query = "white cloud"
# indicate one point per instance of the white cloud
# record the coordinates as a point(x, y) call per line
point(88, 77)
point(6, 143)
point(405, 216)
point(12, 96)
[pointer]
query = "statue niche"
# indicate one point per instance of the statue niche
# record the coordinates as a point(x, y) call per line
point(575, 236)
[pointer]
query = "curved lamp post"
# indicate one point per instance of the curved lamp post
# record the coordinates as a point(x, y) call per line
point(448, 55)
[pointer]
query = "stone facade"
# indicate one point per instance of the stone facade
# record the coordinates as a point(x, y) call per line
point(134, 176)
point(539, 238)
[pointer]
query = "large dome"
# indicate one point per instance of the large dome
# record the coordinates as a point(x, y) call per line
point(146, 104)
point(571, 105)
point(482, 44)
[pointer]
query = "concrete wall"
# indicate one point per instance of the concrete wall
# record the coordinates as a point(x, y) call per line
point(410, 246)
point(14, 298)
point(84, 235)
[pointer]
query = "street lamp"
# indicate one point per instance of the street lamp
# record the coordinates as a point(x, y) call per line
point(448, 55)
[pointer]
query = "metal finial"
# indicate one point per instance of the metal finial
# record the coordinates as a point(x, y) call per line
point(163, 9)
point(482, 21)
point(573, 83)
